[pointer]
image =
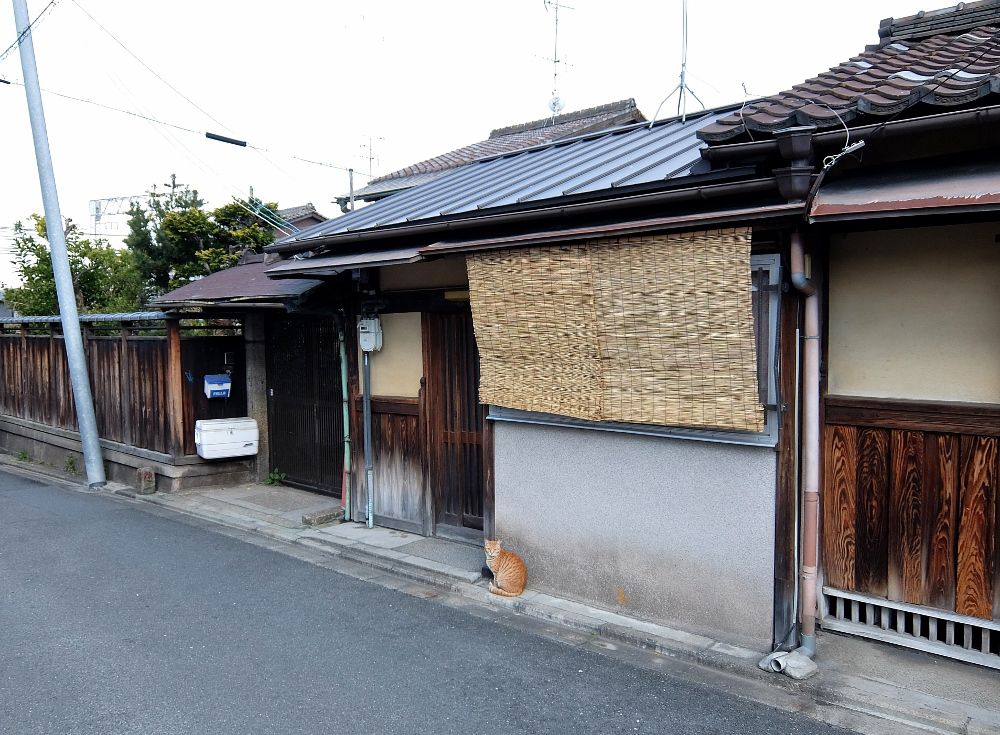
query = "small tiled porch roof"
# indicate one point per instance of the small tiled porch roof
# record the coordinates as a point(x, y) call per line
point(944, 58)
point(242, 284)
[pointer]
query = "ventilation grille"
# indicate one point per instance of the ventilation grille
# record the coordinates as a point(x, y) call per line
point(936, 631)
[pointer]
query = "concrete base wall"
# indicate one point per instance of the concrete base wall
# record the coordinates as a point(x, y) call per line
point(674, 531)
point(61, 449)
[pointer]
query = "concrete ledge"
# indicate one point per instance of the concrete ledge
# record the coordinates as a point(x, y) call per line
point(53, 446)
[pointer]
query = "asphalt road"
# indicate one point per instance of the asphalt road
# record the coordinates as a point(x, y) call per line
point(117, 620)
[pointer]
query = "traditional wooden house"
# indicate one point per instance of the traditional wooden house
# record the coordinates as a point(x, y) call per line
point(642, 356)
point(581, 359)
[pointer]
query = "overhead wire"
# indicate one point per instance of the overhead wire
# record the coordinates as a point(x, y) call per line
point(20, 37)
point(159, 76)
point(148, 68)
point(183, 128)
point(261, 150)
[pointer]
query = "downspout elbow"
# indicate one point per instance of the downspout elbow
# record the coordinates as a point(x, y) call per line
point(799, 278)
point(802, 283)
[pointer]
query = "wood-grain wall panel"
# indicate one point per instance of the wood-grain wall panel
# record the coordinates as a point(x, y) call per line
point(926, 513)
point(839, 507)
point(872, 511)
point(940, 519)
point(905, 544)
point(977, 527)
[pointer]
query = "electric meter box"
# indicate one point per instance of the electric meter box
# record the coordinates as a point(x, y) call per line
point(218, 386)
point(370, 335)
point(221, 438)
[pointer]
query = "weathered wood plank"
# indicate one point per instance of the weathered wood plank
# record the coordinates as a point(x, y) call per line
point(980, 419)
point(905, 569)
point(977, 527)
point(940, 519)
point(174, 379)
point(871, 564)
point(398, 468)
point(839, 507)
point(785, 561)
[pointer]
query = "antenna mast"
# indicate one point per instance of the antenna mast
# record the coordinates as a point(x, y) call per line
point(555, 103)
point(682, 87)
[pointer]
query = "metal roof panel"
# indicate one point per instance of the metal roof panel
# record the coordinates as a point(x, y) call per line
point(589, 164)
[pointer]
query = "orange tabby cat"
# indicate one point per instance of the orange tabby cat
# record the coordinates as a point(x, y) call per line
point(510, 575)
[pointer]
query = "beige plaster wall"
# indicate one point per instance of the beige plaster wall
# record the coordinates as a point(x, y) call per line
point(915, 314)
point(442, 273)
point(399, 365)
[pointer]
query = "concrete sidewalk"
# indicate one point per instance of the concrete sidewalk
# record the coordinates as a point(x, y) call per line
point(908, 691)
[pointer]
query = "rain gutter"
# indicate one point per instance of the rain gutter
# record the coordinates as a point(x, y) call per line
point(953, 121)
point(699, 193)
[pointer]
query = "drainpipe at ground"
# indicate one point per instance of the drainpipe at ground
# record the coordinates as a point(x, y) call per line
point(345, 401)
point(810, 447)
point(798, 664)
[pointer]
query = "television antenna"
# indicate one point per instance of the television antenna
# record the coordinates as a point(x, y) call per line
point(682, 89)
point(556, 103)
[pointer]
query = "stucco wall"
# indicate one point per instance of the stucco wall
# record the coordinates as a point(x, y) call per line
point(667, 530)
point(399, 365)
point(916, 314)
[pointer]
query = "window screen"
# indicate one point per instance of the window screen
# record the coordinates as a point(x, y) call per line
point(651, 329)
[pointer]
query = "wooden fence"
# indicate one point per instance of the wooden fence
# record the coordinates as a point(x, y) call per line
point(147, 379)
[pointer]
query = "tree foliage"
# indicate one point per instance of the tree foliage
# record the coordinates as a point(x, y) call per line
point(175, 240)
point(105, 280)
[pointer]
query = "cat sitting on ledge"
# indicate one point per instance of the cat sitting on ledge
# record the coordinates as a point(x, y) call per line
point(510, 575)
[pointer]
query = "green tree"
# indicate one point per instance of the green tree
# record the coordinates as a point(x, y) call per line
point(105, 279)
point(175, 240)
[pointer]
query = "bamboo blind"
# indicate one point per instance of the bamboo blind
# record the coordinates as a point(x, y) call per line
point(651, 329)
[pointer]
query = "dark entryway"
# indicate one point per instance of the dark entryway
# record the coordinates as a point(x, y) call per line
point(454, 424)
point(305, 413)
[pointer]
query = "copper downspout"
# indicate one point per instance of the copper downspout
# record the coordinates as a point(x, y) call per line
point(810, 447)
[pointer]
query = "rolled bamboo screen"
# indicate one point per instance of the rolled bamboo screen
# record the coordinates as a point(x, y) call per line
point(651, 329)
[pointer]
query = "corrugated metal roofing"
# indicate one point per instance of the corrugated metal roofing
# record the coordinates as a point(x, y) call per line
point(601, 162)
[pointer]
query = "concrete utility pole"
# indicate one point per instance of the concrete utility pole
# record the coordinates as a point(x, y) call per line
point(60, 261)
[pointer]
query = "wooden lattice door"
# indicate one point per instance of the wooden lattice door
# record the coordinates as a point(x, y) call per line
point(454, 424)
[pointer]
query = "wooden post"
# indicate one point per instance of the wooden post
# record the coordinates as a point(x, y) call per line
point(25, 412)
point(175, 390)
point(125, 387)
point(52, 406)
point(489, 480)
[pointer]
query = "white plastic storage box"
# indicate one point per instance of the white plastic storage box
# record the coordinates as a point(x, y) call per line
point(220, 438)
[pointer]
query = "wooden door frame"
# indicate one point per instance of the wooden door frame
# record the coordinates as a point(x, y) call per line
point(432, 500)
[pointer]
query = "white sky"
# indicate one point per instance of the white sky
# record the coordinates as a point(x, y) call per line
point(317, 79)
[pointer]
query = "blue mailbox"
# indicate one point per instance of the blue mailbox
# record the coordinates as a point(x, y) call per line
point(218, 386)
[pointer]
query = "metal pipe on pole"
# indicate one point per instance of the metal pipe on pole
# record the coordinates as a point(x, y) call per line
point(369, 467)
point(69, 316)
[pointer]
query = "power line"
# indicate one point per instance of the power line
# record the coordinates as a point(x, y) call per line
point(114, 109)
point(148, 67)
point(26, 31)
point(175, 126)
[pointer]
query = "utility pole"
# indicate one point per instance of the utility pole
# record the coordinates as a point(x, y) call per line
point(60, 261)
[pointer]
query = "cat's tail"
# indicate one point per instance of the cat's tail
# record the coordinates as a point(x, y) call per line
point(503, 593)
